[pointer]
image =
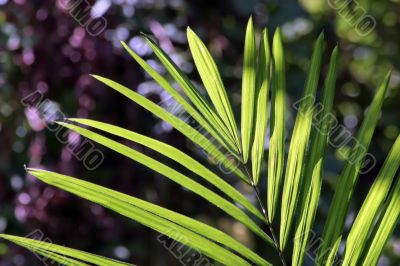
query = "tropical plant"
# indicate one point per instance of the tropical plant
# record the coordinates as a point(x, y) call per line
point(294, 193)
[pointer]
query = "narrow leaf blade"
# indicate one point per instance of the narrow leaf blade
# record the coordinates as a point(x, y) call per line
point(276, 151)
point(263, 83)
point(248, 89)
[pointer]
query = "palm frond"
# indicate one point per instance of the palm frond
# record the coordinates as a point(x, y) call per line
point(297, 193)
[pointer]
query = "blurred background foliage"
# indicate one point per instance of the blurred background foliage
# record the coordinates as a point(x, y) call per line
point(43, 48)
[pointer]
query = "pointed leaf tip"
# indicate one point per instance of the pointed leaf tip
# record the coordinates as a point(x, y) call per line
point(189, 30)
point(320, 40)
point(94, 76)
point(278, 32)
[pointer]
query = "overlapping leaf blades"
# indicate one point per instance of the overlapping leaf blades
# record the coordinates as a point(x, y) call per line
point(298, 144)
point(179, 227)
point(176, 155)
point(384, 228)
point(61, 254)
point(213, 83)
point(313, 169)
point(337, 214)
point(262, 85)
point(190, 132)
point(207, 118)
point(173, 175)
point(365, 220)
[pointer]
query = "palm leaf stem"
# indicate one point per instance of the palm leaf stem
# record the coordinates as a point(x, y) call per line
point(269, 224)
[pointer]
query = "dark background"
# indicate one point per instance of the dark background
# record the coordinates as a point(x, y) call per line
point(43, 48)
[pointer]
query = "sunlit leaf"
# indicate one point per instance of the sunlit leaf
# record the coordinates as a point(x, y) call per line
point(365, 220)
point(173, 175)
point(276, 151)
point(384, 228)
point(180, 125)
point(298, 144)
point(343, 193)
point(212, 82)
point(312, 177)
point(248, 89)
point(176, 155)
point(199, 102)
point(123, 203)
point(152, 216)
point(261, 118)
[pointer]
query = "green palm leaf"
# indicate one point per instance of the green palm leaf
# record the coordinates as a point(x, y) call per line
point(263, 83)
point(61, 254)
point(178, 124)
point(212, 82)
point(107, 197)
point(385, 226)
point(248, 89)
point(370, 209)
point(340, 204)
point(313, 169)
point(175, 176)
point(298, 144)
point(178, 156)
point(152, 216)
point(276, 151)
